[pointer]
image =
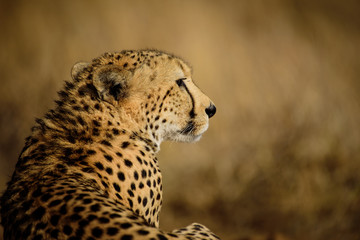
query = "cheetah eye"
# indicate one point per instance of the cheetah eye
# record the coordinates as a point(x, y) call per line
point(180, 82)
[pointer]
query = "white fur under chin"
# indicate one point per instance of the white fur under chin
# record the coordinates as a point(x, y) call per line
point(187, 138)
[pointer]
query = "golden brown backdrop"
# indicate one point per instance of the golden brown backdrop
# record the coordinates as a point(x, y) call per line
point(281, 158)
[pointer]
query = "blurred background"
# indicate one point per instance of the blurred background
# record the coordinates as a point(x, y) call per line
point(281, 159)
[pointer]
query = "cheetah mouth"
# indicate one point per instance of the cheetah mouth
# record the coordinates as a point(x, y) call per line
point(191, 129)
point(192, 132)
point(188, 129)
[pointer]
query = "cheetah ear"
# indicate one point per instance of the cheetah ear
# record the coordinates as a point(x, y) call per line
point(78, 68)
point(111, 83)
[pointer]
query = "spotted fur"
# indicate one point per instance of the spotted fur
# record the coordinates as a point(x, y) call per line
point(89, 169)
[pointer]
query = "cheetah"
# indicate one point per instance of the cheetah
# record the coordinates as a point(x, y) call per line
point(89, 168)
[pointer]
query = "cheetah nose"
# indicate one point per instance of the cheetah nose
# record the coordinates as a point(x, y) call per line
point(211, 110)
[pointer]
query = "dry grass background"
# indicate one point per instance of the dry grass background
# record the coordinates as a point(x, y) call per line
point(282, 154)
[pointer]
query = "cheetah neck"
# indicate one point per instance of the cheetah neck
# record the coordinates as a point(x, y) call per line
point(92, 139)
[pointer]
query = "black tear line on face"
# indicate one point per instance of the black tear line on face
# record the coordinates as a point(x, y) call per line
point(192, 111)
point(190, 126)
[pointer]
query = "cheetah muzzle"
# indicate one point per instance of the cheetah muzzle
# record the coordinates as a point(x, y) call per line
point(89, 169)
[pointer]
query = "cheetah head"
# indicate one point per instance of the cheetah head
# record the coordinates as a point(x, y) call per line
point(153, 89)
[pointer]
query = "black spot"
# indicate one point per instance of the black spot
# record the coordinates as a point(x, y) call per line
point(136, 175)
point(68, 192)
point(81, 120)
point(125, 144)
point(99, 165)
point(125, 64)
point(54, 219)
point(91, 152)
point(139, 159)
point(162, 237)
point(38, 213)
point(63, 209)
point(83, 223)
point(95, 207)
point(126, 236)
point(106, 143)
point(115, 215)
point(125, 225)
point(95, 132)
point(118, 196)
point(130, 193)
point(41, 225)
point(119, 154)
point(54, 233)
point(61, 168)
point(97, 232)
point(109, 171)
point(79, 209)
point(86, 107)
point(111, 231)
point(130, 202)
point(103, 220)
point(116, 187)
point(67, 230)
point(82, 195)
point(104, 184)
point(143, 232)
point(91, 217)
point(115, 131)
point(87, 201)
point(133, 187)
point(128, 162)
point(144, 201)
point(108, 157)
point(45, 197)
point(143, 173)
point(121, 176)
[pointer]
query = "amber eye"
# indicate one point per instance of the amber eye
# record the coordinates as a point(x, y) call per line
point(180, 82)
